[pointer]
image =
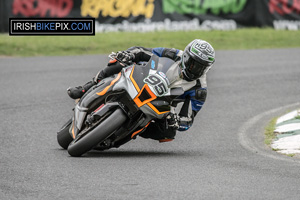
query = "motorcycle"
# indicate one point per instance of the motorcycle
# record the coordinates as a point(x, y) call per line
point(120, 107)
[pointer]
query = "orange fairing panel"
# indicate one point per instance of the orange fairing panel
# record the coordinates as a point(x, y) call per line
point(133, 81)
point(140, 103)
point(107, 87)
point(73, 133)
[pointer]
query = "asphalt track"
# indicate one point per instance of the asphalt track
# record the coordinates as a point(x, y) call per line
point(222, 157)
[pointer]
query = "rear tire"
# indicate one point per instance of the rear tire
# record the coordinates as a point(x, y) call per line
point(98, 134)
point(63, 136)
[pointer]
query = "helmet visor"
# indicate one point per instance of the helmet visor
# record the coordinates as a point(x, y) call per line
point(193, 67)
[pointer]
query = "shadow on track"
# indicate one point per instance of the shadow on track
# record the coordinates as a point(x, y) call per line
point(134, 153)
point(128, 153)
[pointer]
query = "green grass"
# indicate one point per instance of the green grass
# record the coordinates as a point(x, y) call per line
point(269, 132)
point(291, 155)
point(104, 43)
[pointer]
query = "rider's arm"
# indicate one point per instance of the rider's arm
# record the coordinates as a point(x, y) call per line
point(140, 54)
point(197, 102)
point(144, 54)
point(167, 52)
point(114, 67)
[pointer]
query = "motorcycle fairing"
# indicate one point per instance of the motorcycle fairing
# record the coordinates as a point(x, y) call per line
point(146, 95)
point(98, 91)
point(90, 101)
point(103, 92)
point(132, 80)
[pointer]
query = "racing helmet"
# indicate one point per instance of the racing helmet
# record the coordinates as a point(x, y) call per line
point(198, 56)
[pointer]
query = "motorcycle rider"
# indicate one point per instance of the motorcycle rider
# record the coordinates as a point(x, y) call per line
point(188, 71)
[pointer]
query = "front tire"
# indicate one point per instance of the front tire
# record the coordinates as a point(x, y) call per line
point(98, 134)
point(63, 136)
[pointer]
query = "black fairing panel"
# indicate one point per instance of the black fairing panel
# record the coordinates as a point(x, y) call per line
point(138, 75)
point(161, 105)
point(91, 98)
point(142, 71)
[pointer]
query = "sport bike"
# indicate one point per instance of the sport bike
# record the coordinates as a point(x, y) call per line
point(120, 107)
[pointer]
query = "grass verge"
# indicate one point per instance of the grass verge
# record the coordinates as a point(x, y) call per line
point(104, 43)
point(269, 131)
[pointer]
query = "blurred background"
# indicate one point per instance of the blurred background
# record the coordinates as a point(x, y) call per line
point(228, 24)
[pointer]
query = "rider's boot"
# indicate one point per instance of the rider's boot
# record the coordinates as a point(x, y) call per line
point(78, 92)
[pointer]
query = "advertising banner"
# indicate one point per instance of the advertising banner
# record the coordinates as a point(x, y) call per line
point(280, 14)
point(153, 15)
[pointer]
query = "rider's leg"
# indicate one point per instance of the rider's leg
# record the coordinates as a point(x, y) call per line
point(113, 67)
point(78, 92)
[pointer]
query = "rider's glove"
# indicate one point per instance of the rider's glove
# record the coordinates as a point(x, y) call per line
point(125, 57)
point(172, 121)
point(185, 123)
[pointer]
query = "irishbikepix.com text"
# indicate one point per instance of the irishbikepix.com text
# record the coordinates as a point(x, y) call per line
point(52, 26)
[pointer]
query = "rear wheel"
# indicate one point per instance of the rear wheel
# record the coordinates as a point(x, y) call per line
point(98, 134)
point(63, 136)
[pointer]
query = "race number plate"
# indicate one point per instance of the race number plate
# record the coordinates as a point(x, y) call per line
point(158, 83)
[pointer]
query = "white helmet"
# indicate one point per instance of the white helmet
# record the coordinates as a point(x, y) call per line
point(196, 58)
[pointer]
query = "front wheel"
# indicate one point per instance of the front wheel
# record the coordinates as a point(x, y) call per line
point(63, 136)
point(98, 134)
